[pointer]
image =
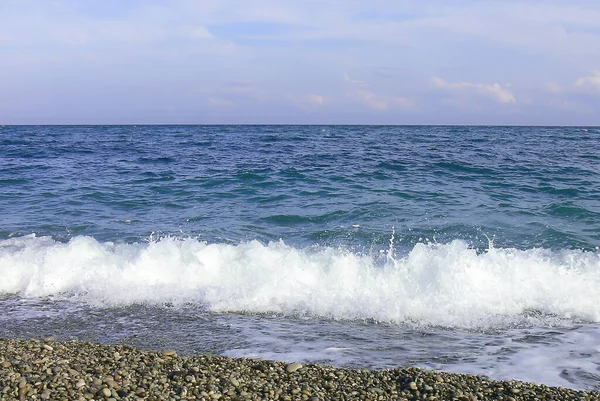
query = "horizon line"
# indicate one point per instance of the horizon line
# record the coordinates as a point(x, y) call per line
point(300, 124)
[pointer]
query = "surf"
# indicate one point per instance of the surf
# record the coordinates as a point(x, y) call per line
point(441, 284)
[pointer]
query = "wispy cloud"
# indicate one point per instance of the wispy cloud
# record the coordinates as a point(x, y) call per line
point(553, 87)
point(372, 100)
point(586, 84)
point(494, 91)
point(247, 57)
point(578, 97)
point(316, 99)
point(311, 101)
point(360, 90)
point(591, 83)
point(354, 81)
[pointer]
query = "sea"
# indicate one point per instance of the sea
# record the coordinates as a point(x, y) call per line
point(469, 249)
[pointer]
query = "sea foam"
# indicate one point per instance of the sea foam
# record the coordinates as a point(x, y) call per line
point(447, 284)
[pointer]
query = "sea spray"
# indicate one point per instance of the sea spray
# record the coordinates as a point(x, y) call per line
point(434, 284)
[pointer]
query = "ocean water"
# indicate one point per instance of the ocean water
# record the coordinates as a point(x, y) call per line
point(468, 249)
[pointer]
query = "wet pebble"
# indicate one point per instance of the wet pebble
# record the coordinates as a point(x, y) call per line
point(78, 370)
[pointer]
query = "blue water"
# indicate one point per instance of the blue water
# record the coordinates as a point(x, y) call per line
point(356, 242)
point(526, 187)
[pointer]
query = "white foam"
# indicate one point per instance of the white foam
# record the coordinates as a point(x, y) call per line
point(440, 284)
point(571, 359)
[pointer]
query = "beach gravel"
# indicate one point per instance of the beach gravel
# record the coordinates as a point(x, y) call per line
point(51, 370)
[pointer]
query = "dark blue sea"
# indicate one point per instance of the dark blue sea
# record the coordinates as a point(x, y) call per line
point(460, 248)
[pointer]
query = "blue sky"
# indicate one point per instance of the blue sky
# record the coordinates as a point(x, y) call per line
point(308, 62)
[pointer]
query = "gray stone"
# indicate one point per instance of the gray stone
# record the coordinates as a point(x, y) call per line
point(292, 367)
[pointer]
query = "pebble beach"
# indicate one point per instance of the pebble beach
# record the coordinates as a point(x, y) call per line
point(50, 370)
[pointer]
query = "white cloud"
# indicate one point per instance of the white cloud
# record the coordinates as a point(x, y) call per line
point(553, 87)
point(543, 26)
point(576, 98)
point(307, 102)
point(372, 100)
point(494, 91)
point(359, 90)
point(316, 99)
point(403, 102)
point(67, 28)
point(589, 83)
point(191, 48)
point(353, 81)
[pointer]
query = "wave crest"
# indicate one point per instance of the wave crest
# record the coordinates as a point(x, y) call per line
point(435, 284)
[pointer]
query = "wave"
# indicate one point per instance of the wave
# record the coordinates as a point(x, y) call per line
point(434, 284)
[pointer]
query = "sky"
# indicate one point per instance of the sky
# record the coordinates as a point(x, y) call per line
point(500, 62)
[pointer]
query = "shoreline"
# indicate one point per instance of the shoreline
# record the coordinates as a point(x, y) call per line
point(52, 370)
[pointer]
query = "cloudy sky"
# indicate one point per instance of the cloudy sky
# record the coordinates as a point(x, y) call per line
point(300, 61)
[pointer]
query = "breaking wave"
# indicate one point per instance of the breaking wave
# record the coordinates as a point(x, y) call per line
point(434, 284)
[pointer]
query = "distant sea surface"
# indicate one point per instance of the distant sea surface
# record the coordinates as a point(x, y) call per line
point(468, 249)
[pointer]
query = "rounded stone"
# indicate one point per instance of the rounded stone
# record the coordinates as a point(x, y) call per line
point(292, 367)
point(77, 370)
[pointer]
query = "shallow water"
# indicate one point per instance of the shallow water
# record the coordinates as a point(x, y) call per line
point(561, 354)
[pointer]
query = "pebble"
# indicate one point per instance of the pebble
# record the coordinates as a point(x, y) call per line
point(292, 367)
point(80, 371)
point(112, 384)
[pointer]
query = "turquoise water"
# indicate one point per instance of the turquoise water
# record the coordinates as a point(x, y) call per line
point(357, 242)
